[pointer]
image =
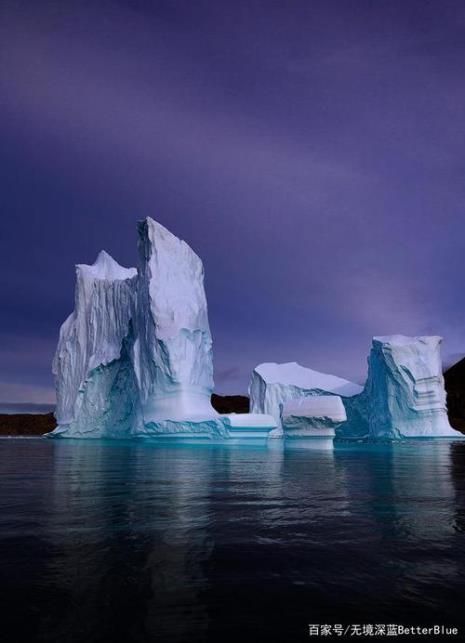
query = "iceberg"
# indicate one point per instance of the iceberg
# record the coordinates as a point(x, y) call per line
point(242, 428)
point(404, 395)
point(272, 385)
point(173, 347)
point(310, 422)
point(134, 359)
point(95, 382)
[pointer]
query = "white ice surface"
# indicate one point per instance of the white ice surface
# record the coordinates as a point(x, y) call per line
point(136, 354)
point(95, 385)
point(173, 347)
point(293, 374)
point(404, 394)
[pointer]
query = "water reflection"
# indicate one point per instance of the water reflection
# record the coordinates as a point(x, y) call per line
point(135, 541)
point(403, 505)
point(128, 542)
point(457, 459)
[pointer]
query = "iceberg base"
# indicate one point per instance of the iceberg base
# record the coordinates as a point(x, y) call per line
point(232, 429)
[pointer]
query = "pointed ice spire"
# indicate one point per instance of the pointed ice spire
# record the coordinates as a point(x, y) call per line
point(105, 267)
point(176, 368)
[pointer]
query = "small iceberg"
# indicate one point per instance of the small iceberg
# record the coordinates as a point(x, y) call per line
point(310, 422)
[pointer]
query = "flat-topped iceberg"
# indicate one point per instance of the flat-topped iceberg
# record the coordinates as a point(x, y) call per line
point(310, 422)
point(274, 384)
point(404, 394)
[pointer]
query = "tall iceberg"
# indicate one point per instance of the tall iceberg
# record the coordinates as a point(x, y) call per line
point(135, 356)
point(404, 394)
point(95, 382)
point(272, 385)
point(173, 347)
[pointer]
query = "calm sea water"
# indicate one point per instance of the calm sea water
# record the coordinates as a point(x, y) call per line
point(105, 541)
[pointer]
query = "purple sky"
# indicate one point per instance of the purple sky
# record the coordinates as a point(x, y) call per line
point(311, 152)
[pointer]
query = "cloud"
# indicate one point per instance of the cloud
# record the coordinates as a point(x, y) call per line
point(313, 158)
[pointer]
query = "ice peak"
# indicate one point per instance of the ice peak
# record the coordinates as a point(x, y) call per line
point(174, 276)
point(156, 228)
point(176, 368)
point(156, 241)
point(105, 267)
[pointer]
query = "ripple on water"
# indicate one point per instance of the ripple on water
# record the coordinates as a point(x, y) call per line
point(121, 541)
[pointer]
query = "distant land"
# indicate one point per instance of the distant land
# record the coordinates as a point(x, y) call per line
point(26, 424)
point(28, 408)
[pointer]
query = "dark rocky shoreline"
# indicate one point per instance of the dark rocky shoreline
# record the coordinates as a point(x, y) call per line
point(27, 424)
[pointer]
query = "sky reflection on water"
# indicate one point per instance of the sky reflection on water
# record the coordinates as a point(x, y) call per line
point(108, 541)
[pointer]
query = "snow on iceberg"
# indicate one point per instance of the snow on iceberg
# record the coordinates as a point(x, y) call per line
point(404, 394)
point(274, 384)
point(95, 383)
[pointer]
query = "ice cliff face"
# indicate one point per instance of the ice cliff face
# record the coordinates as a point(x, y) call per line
point(173, 347)
point(95, 383)
point(404, 394)
point(273, 384)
